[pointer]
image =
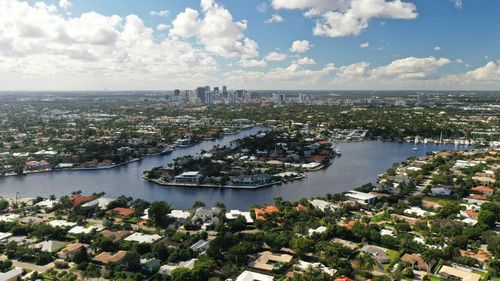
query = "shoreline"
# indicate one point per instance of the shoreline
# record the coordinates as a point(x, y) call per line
point(192, 185)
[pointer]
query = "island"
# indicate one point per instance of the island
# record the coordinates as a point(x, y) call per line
point(265, 159)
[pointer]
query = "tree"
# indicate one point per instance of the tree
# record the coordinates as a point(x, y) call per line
point(198, 204)
point(181, 274)
point(301, 245)
point(203, 268)
point(488, 218)
point(80, 256)
point(132, 261)
point(92, 271)
point(312, 274)
point(158, 211)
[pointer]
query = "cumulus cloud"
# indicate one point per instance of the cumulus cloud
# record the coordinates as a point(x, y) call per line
point(490, 72)
point(300, 46)
point(304, 61)
point(162, 13)
point(275, 56)
point(162, 27)
point(437, 48)
point(65, 4)
point(275, 18)
point(38, 43)
point(338, 18)
point(411, 68)
point(248, 63)
point(364, 45)
point(216, 30)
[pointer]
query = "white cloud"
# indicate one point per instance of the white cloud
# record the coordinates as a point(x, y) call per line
point(162, 27)
point(65, 4)
point(44, 49)
point(216, 30)
point(253, 63)
point(275, 18)
point(305, 61)
point(338, 18)
point(162, 13)
point(411, 68)
point(437, 48)
point(275, 56)
point(458, 4)
point(300, 46)
point(364, 45)
point(489, 72)
point(353, 71)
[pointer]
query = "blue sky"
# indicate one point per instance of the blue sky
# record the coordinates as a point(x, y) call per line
point(390, 44)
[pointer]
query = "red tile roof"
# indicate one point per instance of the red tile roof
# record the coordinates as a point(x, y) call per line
point(344, 278)
point(78, 199)
point(261, 212)
point(122, 212)
point(483, 189)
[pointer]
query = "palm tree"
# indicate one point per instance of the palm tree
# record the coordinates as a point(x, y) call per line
point(430, 258)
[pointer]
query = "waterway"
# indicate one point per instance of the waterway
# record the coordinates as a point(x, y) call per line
point(360, 163)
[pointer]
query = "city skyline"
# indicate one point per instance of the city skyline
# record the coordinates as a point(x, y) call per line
point(257, 44)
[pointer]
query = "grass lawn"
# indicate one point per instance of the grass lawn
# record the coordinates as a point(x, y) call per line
point(439, 200)
point(393, 255)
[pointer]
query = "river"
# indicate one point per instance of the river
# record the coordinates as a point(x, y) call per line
point(360, 163)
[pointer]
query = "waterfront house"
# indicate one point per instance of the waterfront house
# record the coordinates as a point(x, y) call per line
point(191, 177)
point(101, 203)
point(121, 212)
point(179, 215)
point(361, 197)
point(250, 180)
point(233, 214)
point(322, 204)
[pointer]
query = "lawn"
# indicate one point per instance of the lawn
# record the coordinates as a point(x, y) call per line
point(439, 200)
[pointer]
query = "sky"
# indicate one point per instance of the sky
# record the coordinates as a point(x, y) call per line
point(250, 44)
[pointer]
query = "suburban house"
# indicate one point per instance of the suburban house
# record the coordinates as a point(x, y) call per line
point(378, 253)
point(12, 275)
point(416, 261)
point(267, 261)
point(109, 258)
point(192, 177)
point(168, 268)
point(361, 197)
point(452, 273)
point(254, 276)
